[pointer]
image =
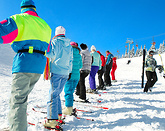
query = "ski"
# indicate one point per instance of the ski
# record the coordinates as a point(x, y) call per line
point(44, 112)
point(101, 107)
point(84, 118)
point(75, 108)
point(5, 129)
point(83, 110)
point(31, 124)
point(94, 94)
point(144, 53)
point(58, 128)
point(162, 65)
point(87, 102)
point(40, 106)
point(53, 129)
point(74, 114)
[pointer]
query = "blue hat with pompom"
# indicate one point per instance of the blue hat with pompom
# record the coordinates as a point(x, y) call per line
point(27, 3)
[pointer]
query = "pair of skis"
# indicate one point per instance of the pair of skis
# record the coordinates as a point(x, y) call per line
point(162, 65)
point(74, 113)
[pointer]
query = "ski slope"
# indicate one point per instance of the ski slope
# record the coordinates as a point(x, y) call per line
point(128, 107)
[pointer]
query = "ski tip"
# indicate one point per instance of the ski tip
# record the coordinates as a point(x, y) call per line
point(105, 108)
point(58, 128)
point(38, 106)
point(31, 124)
point(5, 129)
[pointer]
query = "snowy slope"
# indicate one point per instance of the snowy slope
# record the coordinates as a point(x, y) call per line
point(129, 108)
point(6, 54)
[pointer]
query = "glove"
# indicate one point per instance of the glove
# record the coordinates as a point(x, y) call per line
point(69, 76)
point(160, 68)
point(101, 68)
point(164, 75)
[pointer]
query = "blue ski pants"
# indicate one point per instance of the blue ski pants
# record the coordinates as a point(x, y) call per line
point(69, 90)
point(54, 102)
point(92, 75)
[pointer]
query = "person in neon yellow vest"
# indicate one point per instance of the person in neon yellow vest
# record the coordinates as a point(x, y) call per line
point(29, 36)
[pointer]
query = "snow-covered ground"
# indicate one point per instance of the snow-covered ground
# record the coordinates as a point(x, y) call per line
point(129, 108)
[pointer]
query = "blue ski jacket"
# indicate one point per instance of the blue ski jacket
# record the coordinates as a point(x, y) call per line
point(109, 57)
point(60, 53)
point(26, 31)
point(77, 63)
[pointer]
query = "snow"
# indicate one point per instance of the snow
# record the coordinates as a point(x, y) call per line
point(129, 107)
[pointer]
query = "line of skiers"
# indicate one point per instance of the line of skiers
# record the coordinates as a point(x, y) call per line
point(30, 37)
point(66, 59)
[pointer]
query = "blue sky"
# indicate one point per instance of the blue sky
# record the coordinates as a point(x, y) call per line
point(106, 24)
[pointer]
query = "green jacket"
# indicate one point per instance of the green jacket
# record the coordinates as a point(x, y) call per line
point(150, 64)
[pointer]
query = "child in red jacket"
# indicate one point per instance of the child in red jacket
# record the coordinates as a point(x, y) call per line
point(114, 67)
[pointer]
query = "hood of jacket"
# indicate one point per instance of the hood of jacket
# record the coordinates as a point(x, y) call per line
point(76, 48)
point(63, 39)
point(114, 58)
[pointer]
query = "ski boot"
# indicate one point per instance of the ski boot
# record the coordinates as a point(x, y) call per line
point(60, 119)
point(74, 112)
point(53, 124)
point(67, 110)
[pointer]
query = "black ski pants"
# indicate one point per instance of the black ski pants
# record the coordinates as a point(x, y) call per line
point(81, 89)
point(100, 74)
point(107, 78)
point(151, 80)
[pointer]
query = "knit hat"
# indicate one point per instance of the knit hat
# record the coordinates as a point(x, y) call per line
point(83, 46)
point(60, 30)
point(73, 43)
point(93, 47)
point(151, 52)
point(27, 3)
